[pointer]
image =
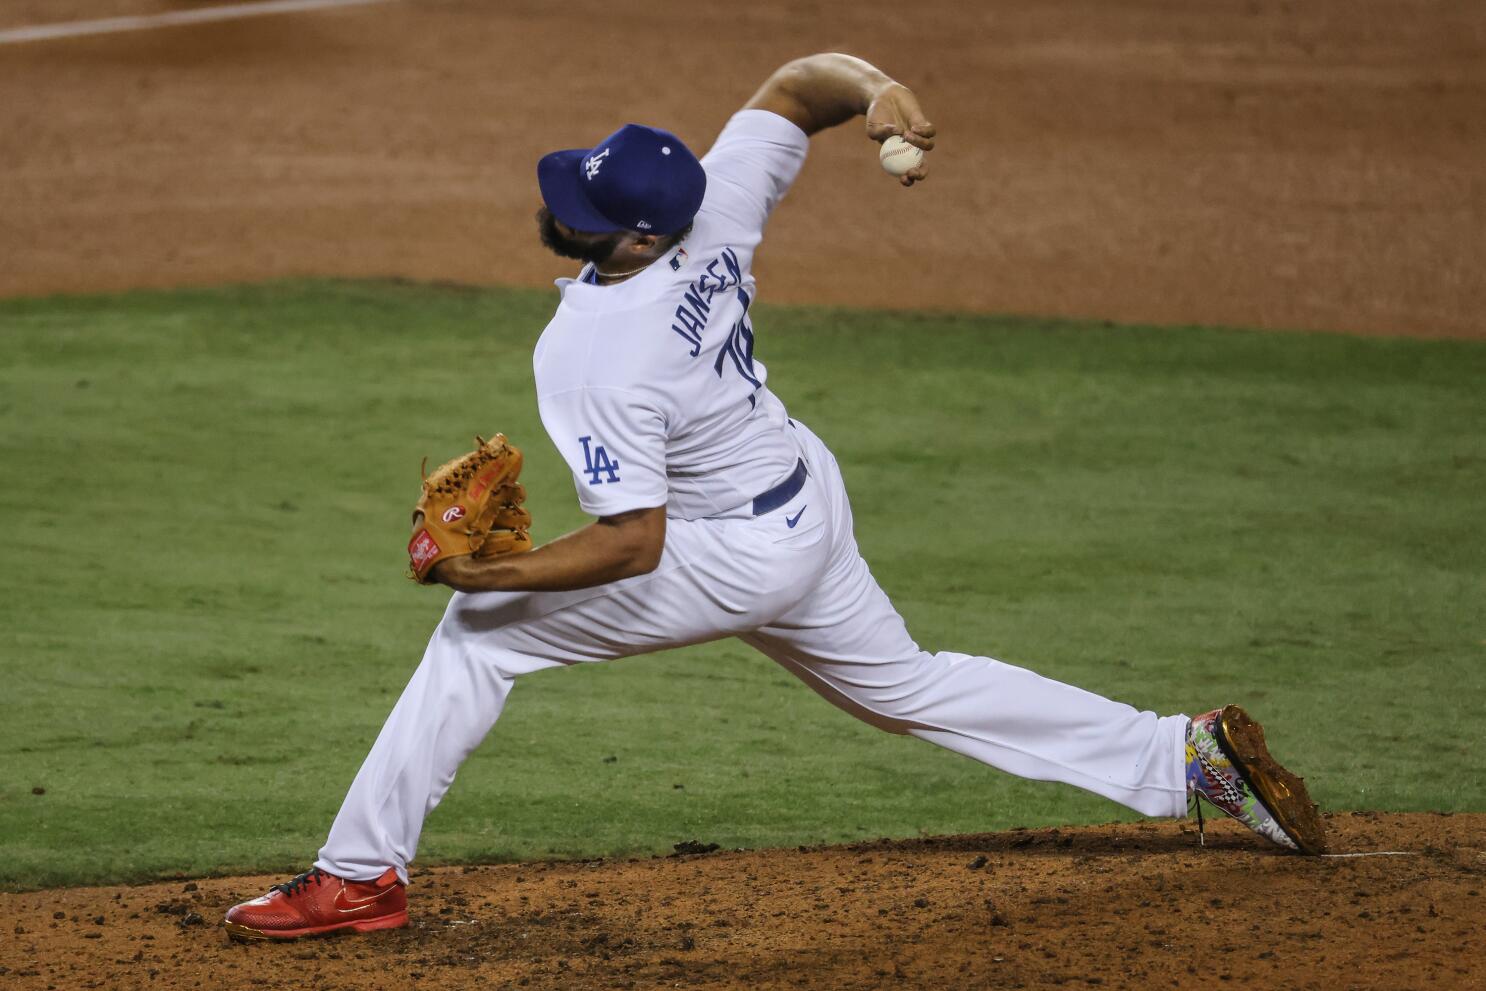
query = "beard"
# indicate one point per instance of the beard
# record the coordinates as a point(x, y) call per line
point(583, 247)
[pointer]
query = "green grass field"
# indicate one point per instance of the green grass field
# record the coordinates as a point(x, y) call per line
point(205, 619)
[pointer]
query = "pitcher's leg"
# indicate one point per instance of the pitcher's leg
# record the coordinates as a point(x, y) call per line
point(714, 580)
point(447, 708)
point(850, 645)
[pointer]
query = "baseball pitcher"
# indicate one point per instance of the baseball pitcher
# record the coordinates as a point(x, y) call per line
point(717, 515)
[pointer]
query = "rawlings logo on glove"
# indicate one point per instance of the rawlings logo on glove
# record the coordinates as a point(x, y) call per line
point(471, 505)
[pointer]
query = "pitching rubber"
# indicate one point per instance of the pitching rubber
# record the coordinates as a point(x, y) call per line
point(1282, 793)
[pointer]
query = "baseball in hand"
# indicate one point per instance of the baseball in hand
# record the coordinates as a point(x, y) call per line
point(898, 156)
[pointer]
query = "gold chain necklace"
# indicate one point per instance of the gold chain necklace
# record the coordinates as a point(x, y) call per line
point(618, 276)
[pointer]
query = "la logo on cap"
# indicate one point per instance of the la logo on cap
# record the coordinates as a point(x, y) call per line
point(591, 167)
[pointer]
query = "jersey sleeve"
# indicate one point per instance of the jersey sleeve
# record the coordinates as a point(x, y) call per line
point(615, 445)
point(752, 165)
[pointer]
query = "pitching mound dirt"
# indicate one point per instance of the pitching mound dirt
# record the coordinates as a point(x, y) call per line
point(1129, 906)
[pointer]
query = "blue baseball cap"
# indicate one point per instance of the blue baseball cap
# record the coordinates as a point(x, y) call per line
point(638, 179)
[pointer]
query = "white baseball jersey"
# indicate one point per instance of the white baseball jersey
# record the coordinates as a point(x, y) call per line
point(650, 388)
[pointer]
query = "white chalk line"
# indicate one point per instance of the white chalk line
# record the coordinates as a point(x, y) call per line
point(1376, 853)
point(143, 22)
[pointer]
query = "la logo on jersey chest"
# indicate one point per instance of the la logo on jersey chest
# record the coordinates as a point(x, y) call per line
point(596, 462)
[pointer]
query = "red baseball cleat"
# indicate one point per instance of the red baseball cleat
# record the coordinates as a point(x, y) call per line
point(316, 902)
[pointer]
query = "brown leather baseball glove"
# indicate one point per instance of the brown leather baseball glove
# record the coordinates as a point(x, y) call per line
point(471, 505)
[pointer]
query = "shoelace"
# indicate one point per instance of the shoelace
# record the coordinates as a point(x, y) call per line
point(1195, 796)
point(294, 886)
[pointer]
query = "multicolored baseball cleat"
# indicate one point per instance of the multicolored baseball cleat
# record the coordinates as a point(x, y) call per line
point(316, 903)
point(1229, 767)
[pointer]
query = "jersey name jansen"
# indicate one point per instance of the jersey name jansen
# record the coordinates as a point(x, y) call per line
point(719, 275)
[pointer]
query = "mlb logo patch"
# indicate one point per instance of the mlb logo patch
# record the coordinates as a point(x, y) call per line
point(678, 259)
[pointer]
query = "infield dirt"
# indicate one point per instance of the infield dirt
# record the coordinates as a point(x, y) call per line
point(1258, 163)
point(1129, 906)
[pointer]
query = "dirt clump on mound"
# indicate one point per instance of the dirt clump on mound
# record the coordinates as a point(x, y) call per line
point(1135, 906)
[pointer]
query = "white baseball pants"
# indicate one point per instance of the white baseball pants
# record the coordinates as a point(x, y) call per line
point(801, 594)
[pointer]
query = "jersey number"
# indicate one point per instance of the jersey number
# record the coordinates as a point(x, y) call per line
point(739, 346)
point(596, 462)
